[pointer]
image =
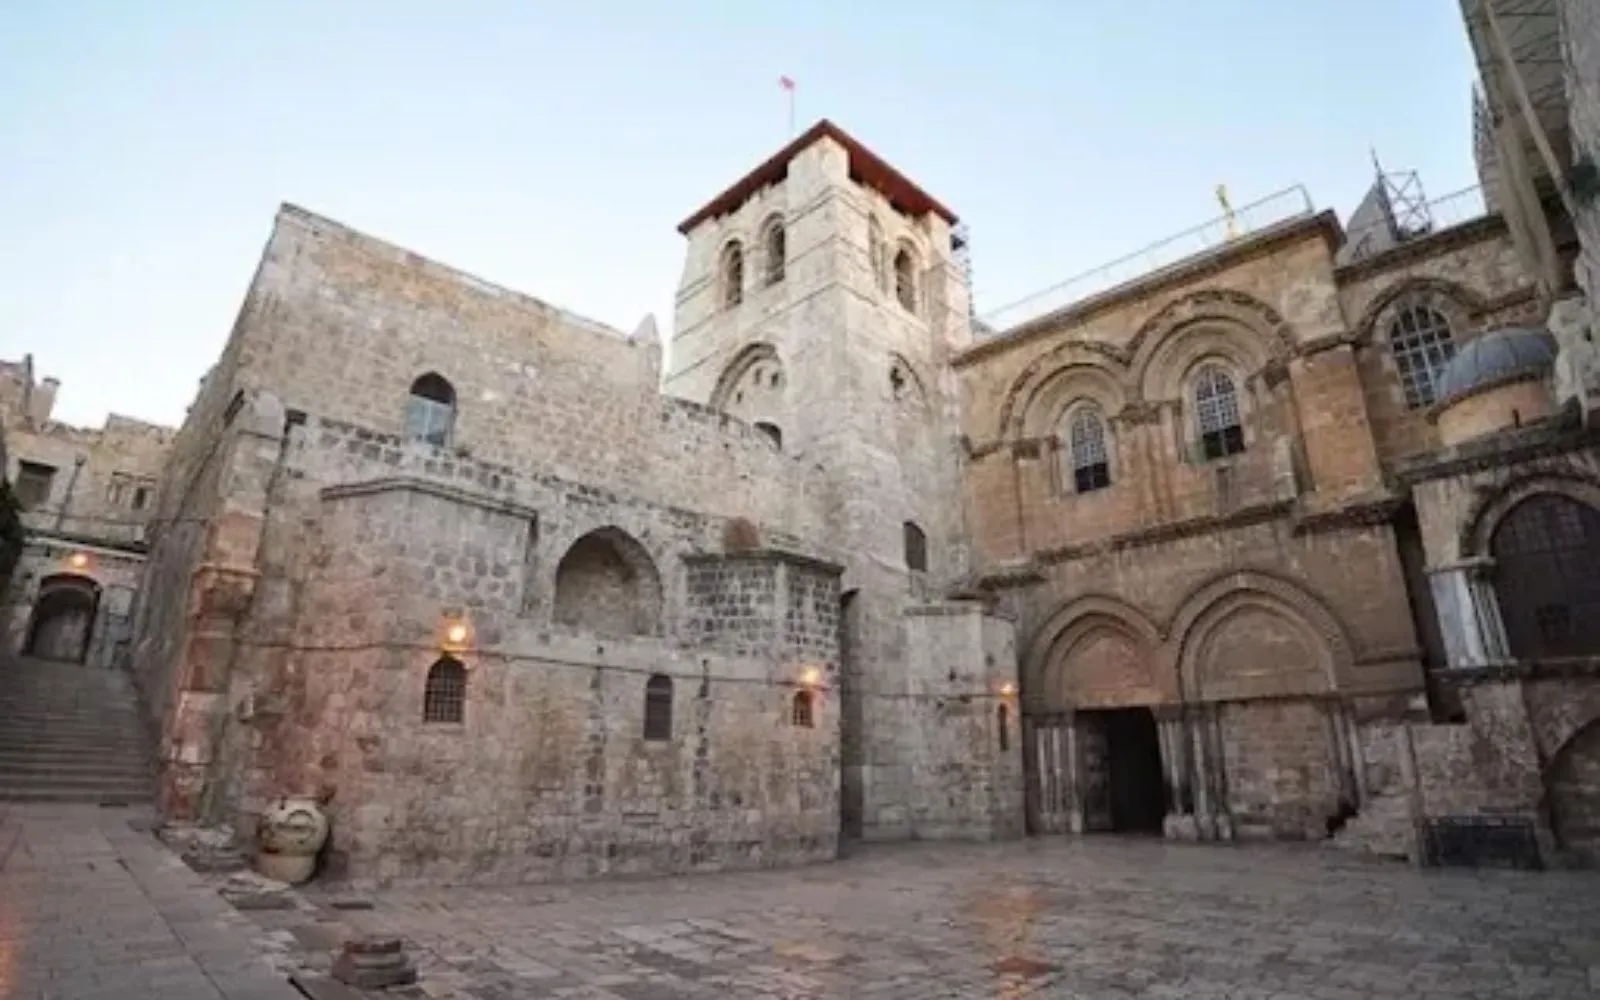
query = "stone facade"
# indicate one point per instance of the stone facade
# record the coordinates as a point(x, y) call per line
point(1207, 554)
point(573, 546)
point(88, 497)
point(1581, 35)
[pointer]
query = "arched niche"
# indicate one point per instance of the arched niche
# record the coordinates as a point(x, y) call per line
point(606, 583)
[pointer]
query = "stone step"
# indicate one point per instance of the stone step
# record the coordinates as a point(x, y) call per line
point(48, 764)
point(82, 728)
point(103, 796)
point(46, 741)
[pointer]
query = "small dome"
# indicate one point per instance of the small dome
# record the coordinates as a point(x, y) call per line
point(1494, 357)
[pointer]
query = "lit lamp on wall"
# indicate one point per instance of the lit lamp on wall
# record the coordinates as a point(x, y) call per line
point(455, 634)
point(1008, 690)
point(78, 561)
point(811, 678)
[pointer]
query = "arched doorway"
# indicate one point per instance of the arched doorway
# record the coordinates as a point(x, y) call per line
point(62, 624)
point(1547, 576)
point(1573, 795)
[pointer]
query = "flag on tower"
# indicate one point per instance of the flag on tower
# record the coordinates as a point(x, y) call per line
point(785, 83)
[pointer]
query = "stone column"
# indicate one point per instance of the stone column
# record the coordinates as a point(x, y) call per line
point(1179, 823)
point(1074, 775)
point(1460, 609)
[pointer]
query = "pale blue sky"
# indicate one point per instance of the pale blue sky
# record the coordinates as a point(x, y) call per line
point(553, 147)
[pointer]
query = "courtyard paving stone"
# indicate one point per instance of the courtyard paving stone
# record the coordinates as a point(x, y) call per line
point(1095, 918)
point(92, 908)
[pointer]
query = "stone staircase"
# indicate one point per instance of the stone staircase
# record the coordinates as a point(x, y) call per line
point(69, 733)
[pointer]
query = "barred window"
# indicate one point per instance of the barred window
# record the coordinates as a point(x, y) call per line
point(658, 708)
point(1216, 408)
point(1086, 439)
point(444, 697)
point(1002, 718)
point(1545, 553)
point(800, 712)
point(1419, 339)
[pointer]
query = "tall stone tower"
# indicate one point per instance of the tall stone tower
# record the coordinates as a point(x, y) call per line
point(821, 301)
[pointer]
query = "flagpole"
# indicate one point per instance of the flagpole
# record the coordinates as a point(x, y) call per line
point(788, 85)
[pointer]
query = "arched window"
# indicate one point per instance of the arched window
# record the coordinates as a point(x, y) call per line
point(1546, 552)
point(431, 410)
point(444, 697)
point(876, 255)
point(1419, 339)
point(916, 544)
point(1216, 411)
point(732, 274)
point(1002, 718)
point(772, 246)
point(905, 279)
point(658, 707)
point(1086, 440)
point(800, 710)
point(773, 432)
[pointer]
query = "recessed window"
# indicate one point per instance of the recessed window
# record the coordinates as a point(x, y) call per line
point(772, 247)
point(732, 274)
point(444, 696)
point(1419, 339)
point(801, 712)
point(658, 708)
point(431, 410)
point(34, 482)
point(1002, 719)
point(916, 548)
point(905, 280)
point(117, 491)
point(773, 433)
point(1086, 439)
point(141, 497)
point(1216, 408)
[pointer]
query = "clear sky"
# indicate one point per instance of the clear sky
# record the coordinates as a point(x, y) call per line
point(553, 147)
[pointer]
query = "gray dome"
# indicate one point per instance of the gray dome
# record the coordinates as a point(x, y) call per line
point(1494, 357)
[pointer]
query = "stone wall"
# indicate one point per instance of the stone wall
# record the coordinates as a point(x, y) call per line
point(114, 573)
point(549, 774)
point(1581, 45)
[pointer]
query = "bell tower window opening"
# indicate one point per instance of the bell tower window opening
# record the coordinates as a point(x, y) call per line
point(732, 278)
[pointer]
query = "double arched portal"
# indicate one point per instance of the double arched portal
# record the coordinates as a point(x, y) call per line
point(1222, 710)
point(61, 626)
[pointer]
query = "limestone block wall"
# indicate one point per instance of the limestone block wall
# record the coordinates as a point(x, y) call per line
point(1470, 274)
point(549, 774)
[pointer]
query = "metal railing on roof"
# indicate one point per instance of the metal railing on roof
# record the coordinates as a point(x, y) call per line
point(1436, 215)
point(1290, 203)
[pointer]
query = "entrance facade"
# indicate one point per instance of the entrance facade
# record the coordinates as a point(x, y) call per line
point(1096, 771)
point(63, 620)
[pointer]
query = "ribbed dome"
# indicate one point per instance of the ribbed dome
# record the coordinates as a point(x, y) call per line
point(1494, 356)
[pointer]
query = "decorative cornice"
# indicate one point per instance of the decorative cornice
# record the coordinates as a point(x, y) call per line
point(1560, 436)
point(786, 557)
point(407, 484)
point(1323, 224)
point(1361, 514)
point(1563, 668)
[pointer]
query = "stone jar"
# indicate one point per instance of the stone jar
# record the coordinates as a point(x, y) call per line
point(291, 832)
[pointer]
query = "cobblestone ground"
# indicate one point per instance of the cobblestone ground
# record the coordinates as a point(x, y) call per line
point(93, 909)
point(1098, 918)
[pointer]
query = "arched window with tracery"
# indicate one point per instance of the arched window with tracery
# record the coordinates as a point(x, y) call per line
point(658, 707)
point(1547, 577)
point(431, 409)
point(444, 696)
point(732, 274)
point(1086, 445)
point(1216, 413)
point(1420, 340)
point(905, 279)
point(774, 249)
point(876, 254)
